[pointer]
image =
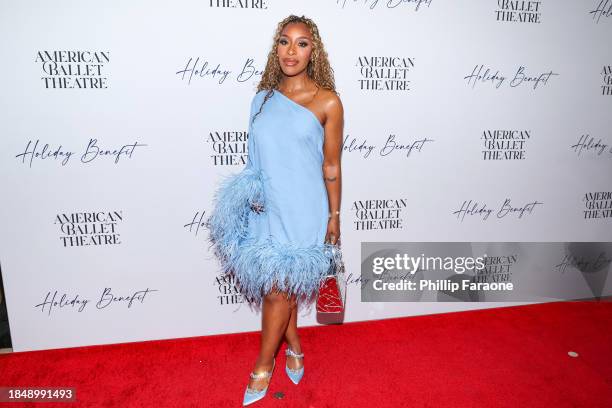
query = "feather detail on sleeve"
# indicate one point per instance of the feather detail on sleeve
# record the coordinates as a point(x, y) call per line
point(235, 198)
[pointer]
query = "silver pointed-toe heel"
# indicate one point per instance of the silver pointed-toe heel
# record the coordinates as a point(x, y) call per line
point(252, 395)
point(294, 374)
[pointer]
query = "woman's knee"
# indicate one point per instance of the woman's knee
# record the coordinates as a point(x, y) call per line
point(276, 296)
point(292, 302)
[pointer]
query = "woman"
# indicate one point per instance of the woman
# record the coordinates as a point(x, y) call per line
point(273, 224)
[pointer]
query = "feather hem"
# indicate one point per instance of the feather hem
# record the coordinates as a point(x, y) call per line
point(260, 266)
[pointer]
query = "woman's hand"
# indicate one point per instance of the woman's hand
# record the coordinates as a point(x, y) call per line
point(333, 230)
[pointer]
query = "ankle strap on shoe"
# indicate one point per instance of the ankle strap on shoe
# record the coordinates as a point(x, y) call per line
point(292, 353)
point(265, 374)
point(261, 375)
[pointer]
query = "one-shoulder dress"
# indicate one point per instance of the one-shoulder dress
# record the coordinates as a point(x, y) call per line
point(268, 222)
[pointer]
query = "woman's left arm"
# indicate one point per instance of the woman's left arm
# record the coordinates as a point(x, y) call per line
point(332, 172)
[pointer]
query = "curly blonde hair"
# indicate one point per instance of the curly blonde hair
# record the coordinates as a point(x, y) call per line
point(318, 69)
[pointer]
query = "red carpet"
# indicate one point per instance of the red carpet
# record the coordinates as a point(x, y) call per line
point(504, 357)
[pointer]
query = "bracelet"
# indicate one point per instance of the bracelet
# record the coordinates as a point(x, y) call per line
point(334, 213)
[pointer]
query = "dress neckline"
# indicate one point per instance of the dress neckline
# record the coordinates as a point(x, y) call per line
point(312, 114)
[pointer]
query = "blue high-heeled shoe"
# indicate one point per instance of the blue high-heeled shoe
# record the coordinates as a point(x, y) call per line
point(294, 374)
point(252, 395)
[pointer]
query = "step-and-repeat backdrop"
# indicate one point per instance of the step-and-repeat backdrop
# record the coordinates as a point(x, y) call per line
point(464, 121)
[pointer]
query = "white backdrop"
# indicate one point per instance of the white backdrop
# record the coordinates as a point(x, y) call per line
point(117, 120)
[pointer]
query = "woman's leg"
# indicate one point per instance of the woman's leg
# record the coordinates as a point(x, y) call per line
point(292, 337)
point(274, 320)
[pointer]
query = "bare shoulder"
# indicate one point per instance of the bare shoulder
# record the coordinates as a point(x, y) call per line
point(330, 98)
point(332, 105)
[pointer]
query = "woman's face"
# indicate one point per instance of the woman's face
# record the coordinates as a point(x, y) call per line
point(294, 48)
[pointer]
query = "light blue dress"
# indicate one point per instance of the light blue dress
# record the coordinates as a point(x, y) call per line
point(284, 242)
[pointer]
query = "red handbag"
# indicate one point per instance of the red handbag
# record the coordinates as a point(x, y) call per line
point(331, 298)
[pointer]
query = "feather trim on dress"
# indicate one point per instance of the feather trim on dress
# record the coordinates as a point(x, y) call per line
point(233, 201)
point(259, 265)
